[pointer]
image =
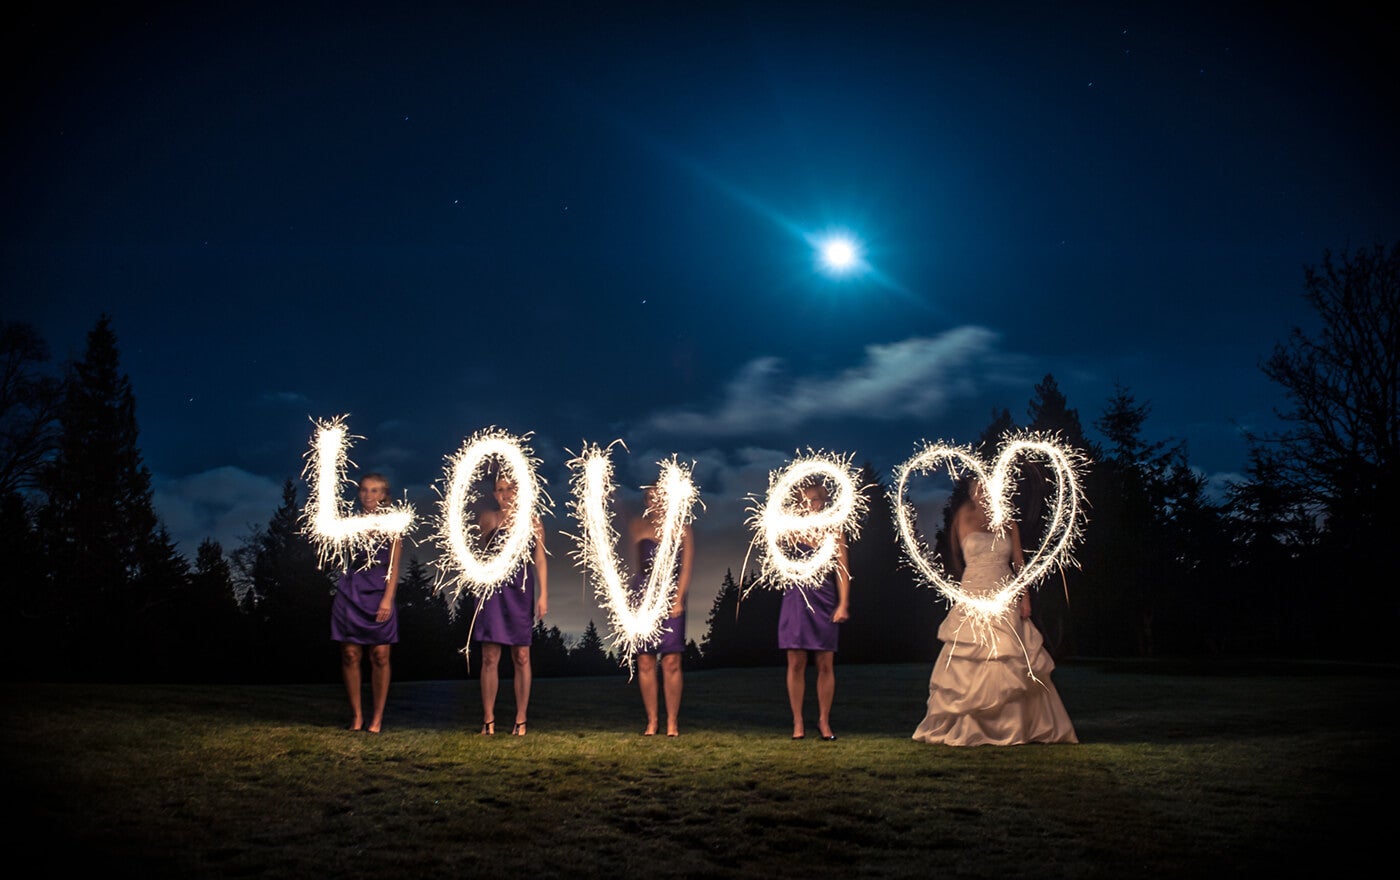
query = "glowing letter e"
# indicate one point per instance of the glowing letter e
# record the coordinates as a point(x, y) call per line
point(785, 518)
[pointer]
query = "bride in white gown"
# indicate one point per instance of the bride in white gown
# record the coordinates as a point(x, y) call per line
point(991, 685)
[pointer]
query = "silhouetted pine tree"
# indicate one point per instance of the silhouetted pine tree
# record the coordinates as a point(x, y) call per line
point(1052, 601)
point(1114, 610)
point(549, 651)
point(291, 598)
point(742, 627)
point(24, 592)
point(717, 646)
point(890, 615)
point(428, 649)
point(756, 625)
point(1274, 568)
point(1197, 546)
point(992, 435)
point(590, 656)
point(1049, 412)
point(211, 635)
point(111, 567)
point(1154, 549)
point(692, 658)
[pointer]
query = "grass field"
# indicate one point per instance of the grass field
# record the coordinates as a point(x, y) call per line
point(1183, 769)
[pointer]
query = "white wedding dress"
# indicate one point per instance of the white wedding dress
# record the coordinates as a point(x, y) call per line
point(982, 691)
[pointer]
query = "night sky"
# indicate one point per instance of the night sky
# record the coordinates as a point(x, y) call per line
point(597, 222)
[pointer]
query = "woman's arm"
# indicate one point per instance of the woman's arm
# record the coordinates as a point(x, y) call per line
point(683, 577)
point(391, 582)
point(843, 581)
point(1018, 554)
point(1018, 564)
point(541, 571)
point(955, 553)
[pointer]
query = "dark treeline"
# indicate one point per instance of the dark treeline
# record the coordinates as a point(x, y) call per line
point(1284, 562)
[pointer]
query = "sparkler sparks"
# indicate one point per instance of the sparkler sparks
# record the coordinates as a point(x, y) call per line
point(784, 519)
point(326, 520)
point(472, 571)
point(633, 620)
point(1064, 517)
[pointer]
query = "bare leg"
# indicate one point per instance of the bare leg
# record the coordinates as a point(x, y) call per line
point(671, 672)
point(378, 684)
point(490, 683)
point(350, 671)
point(826, 691)
point(646, 681)
point(523, 676)
point(797, 690)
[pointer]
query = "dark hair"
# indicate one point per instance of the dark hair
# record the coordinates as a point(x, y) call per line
point(376, 475)
point(962, 494)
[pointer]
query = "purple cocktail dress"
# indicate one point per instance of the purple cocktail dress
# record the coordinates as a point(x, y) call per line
point(804, 628)
point(506, 615)
point(672, 637)
point(356, 604)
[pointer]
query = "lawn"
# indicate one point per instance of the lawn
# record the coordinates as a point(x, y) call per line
point(1185, 768)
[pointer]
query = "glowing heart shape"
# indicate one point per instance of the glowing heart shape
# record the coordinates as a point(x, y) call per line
point(1064, 515)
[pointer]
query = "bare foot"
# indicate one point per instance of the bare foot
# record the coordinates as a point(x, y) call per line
point(651, 728)
point(357, 724)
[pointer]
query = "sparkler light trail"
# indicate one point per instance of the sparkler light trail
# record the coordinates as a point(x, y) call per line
point(326, 520)
point(633, 620)
point(472, 572)
point(1064, 517)
point(784, 518)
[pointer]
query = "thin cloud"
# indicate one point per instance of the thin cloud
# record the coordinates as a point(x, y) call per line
point(223, 504)
point(916, 377)
point(285, 398)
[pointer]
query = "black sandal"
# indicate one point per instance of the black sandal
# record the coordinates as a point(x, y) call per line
point(488, 728)
point(519, 728)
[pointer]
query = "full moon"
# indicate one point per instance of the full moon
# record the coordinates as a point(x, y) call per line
point(839, 255)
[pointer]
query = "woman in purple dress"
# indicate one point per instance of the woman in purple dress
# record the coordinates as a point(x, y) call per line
point(808, 622)
point(363, 614)
point(506, 616)
point(645, 532)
